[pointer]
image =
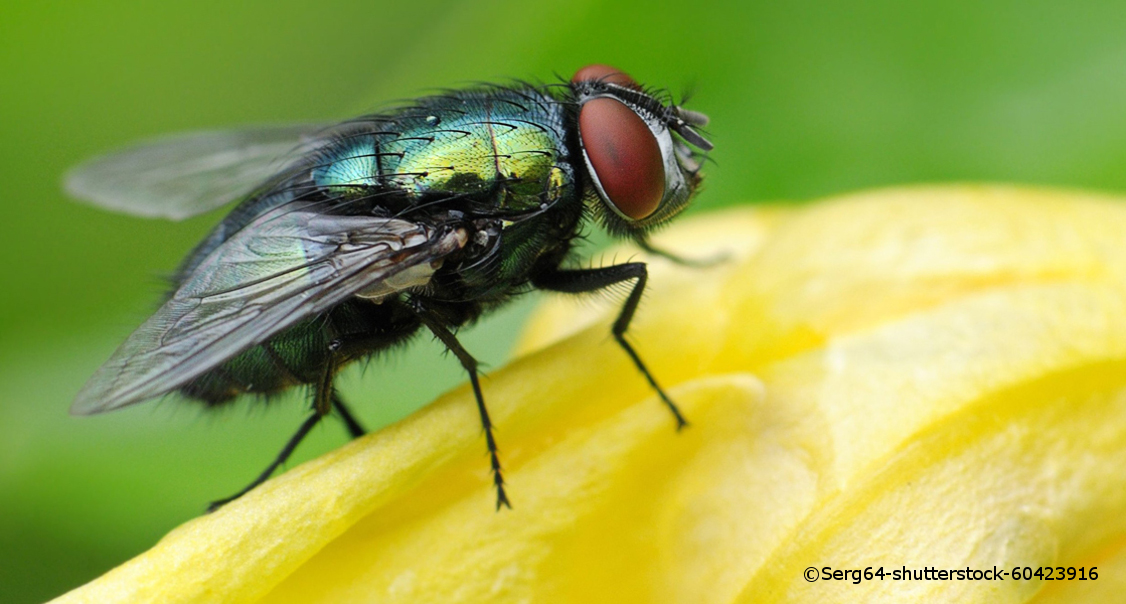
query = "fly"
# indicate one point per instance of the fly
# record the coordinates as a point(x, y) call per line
point(348, 239)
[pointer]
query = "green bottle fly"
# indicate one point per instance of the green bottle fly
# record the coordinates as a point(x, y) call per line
point(351, 238)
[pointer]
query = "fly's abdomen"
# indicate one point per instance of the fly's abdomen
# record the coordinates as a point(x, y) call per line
point(507, 143)
point(353, 330)
point(287, 359)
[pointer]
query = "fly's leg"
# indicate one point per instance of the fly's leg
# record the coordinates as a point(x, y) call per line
point(644, 244)
point(324, 398)
point(354, 345)
point(588, 280)
point(282, 457)
point(354, 427)
point(470, 365)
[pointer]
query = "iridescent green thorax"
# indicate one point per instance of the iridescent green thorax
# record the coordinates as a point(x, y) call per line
point(463, 144)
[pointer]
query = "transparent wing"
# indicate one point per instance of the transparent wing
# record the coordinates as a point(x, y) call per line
point(287, 265)
point(183, 175)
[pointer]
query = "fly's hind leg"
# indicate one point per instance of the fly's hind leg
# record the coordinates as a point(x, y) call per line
point(350, 422)
point(470, 365)
point(588, 280)
point(286, 451)
point(324, 399)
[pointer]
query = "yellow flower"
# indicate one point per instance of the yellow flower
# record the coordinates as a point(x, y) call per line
point(909, 378)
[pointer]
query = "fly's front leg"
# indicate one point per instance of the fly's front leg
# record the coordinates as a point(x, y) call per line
point(470, 364)
point(588, 280)
point(643, 243)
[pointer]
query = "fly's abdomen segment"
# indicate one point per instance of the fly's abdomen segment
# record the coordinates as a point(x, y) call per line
point(352, 330)
point(283, 361)
point(504, 147)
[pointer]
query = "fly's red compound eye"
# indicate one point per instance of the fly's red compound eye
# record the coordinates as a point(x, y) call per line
point(624, 155)
point(605, 73)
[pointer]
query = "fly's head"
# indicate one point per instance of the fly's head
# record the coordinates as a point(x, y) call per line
point(643, 155)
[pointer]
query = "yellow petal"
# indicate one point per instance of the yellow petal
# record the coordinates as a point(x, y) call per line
point(918, 377)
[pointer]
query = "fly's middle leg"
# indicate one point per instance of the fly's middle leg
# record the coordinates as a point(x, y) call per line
point(470, 364)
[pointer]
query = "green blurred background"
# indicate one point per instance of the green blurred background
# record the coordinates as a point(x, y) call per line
point(806, 99)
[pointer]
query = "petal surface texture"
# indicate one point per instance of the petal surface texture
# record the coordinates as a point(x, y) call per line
point(914, 377)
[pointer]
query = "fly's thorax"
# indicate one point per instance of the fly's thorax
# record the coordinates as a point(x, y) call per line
point(501, 254)
point(413, 278)
point(470, 264)
point(417, 277)
point(504, 145)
